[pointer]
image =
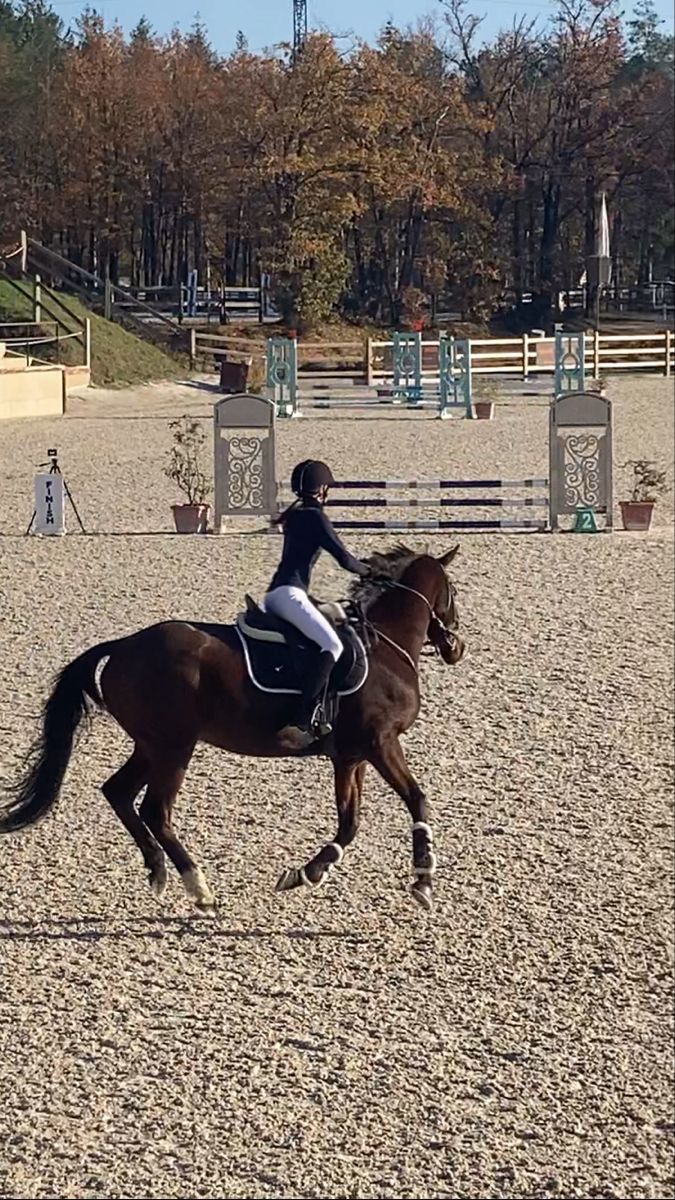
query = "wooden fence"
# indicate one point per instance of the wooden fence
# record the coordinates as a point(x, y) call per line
point(216, 346)
point(310, 354)
point(526, 356)
point(523, 357)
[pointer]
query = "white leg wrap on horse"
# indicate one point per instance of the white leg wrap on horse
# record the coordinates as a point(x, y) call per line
point(327, 867)
point(423, 825)
point(311, 883)
point(100, 668)
point(429, 869)
point(196, 886)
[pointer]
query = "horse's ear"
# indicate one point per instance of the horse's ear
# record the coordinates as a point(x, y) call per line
point(446, 559)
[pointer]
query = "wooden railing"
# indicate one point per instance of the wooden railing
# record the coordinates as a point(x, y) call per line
point(527, 355)
point(218, 345)
point(353, 350)
point(521, 357)
point(28, 347)
point(42, 258)
point(221, 345)
point(43, 300)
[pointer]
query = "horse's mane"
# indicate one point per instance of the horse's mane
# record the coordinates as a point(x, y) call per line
point(390, 564)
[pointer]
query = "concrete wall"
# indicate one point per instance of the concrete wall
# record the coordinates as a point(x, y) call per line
point(34, 392)
point(76, 378)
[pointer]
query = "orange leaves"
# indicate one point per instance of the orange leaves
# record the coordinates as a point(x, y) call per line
point(408, 164)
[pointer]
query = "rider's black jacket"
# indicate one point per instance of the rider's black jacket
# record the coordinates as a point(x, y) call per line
point(307, 531)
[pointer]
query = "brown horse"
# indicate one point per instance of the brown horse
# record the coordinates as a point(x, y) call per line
point(172, 685)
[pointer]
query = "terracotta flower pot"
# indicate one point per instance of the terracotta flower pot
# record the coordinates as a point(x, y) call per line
point(636, 514)
point(190, 518)
point(484, 410)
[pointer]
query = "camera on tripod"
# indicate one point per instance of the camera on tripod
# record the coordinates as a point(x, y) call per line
point(53, 464)
point(48, 515)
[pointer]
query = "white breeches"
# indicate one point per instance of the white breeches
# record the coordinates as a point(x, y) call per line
point(292, 604)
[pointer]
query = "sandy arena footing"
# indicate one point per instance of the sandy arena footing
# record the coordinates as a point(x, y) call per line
point(341, 1043)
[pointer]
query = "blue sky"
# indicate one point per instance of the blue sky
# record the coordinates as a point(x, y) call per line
point(268, 21)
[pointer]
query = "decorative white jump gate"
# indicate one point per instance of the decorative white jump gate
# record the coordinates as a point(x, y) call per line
point(580, 455)
point(244, 457)
point(580, 466)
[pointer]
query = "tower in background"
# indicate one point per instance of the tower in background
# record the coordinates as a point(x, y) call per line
point(299, 25)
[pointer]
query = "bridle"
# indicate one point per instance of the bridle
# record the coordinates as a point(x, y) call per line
point(437, 633)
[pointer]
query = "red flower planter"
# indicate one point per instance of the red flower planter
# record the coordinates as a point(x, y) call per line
point(484, 410)
point(636, 514)
point(190, 518)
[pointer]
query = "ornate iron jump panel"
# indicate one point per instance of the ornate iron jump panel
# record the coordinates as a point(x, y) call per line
point(580, 455)
point(582, 470)
point(246, 462)
point(244, 455)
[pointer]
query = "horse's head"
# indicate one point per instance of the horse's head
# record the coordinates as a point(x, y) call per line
point(425, 576)
point(444, 619)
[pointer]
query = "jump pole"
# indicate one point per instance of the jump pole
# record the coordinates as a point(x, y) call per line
point(408, 391)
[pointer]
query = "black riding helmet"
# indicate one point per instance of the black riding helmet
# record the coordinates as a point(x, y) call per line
point(309, 476)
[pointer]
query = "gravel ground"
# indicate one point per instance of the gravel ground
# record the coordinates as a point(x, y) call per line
point(517, 1043)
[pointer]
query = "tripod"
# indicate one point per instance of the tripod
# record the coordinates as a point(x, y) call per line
point(54, 469)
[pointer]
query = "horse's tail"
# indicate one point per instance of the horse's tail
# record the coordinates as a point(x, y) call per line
point(37, 791)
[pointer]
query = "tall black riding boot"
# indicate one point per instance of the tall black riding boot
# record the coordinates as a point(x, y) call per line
point(313, 692)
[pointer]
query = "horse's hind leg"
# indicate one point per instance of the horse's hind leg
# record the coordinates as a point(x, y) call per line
point(348, 786)
point(163, 786)
point(120, 791)
point(389, 760)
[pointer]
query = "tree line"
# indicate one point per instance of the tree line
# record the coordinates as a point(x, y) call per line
point(430, 164)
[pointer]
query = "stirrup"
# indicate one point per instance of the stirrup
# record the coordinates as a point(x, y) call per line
point(319, 725)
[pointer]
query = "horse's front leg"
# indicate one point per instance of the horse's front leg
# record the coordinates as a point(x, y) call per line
point(388, 758)
point(348, 785)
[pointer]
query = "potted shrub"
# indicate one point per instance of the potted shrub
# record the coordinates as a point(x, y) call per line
point(648, 484)
point(185, 469)
point(597, 385)
point(484, 404)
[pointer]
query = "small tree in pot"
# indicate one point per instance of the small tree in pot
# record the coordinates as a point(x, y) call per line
point(648, 484)
point(186, 470)
point(484, 399)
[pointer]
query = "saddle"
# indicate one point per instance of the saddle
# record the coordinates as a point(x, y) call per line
point(277, 655)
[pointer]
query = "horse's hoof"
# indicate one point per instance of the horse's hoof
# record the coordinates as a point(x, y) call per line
point(421, 892)
point(157, 878)
point(205, 909)
point(199, 891)
point(289, 880)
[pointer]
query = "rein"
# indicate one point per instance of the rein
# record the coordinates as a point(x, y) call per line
point(408, 657)
point(435, 622)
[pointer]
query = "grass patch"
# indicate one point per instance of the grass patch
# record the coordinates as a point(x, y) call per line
point(13, 306)
point(118, 358)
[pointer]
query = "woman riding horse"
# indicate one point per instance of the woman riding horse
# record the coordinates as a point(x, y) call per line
point(178, 683)
point(307, 531)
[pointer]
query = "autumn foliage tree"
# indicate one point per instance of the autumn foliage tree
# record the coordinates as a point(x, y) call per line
point(426, 165)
